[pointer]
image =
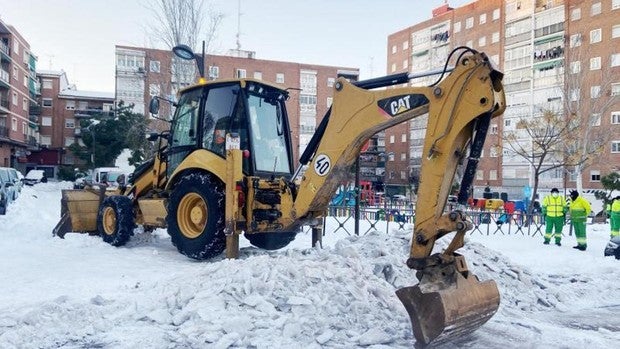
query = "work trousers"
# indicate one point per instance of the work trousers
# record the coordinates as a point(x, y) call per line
point(615, 224)
point(580, 233)
point(550, 224)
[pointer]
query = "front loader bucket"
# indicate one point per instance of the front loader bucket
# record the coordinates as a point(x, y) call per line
point(443, 308)
point(78, 212)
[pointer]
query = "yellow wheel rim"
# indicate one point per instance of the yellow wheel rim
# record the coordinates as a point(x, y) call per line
point(192, 215)
point(109, 220)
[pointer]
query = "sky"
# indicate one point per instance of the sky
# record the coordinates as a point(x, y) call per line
point(78, 36)
point(80, 292)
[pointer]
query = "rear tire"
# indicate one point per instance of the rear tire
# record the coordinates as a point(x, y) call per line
point(196, 216)
point(271, 241)
point(115, 220)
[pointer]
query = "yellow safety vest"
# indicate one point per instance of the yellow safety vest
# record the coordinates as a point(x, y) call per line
point(554, 205)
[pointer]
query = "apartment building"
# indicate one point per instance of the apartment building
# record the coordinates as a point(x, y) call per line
point(63, 106)
point(19, 92)
point(143, 72)
point(534, 43)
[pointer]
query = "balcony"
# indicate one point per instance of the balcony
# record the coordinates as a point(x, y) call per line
point(33, 119)
point(34, 109)
point(4, 105)
point(5, 78)
point(90, 112)
point(4, 132)
point(4, 51)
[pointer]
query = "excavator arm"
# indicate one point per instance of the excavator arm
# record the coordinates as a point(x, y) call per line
point(448, 301)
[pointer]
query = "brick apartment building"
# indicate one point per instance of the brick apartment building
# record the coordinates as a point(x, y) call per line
point(62, 108)
point(19, 91)
point(142, 73)
point(532, 42)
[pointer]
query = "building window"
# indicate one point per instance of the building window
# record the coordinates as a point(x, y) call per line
point(615, 146)
point(457, 27)
point(16, 47)
point(47, 102)
point(24, 128)
point(595, 120)
point(595, 9)
point(595, 91)
point(154, 66)
point(494, 129)
point(479, 175)
point(495, 37)
point(70, 105)
point(258, 75)
point(14, 124)
point(405, 63)
point(25, 104)
point(329, 101)
point(393, 67)
point(575, 14)
point(69, 123)
point(26, 81)
point(483, 18)
point(469, 22)
point(14, 98)
point(615, 117)
point(615, 4)
point(574, 94)
point(47, 84)
point(595, 36)
point(392, 139)
point(403, 175)
point(595, 176)
point(214, 72)
point(575, 67)
point(469, 43)
point(403, 156)
point(495, 59)
point(482, 41)
point(280, 78)
point(595, 63)
point(575, 40)
point(403, 138)
point(496, 14)
point(46, 121)
point(240, 73)
point(615, 59)
point(493, 175)
point(154, 90)
point(393, 49)
point(69, 141)
point(391, 157)
point(15, 73)
point(330, 82)
point(615, 89)
point(615, 31)
point(46, 140)
point(405, 45)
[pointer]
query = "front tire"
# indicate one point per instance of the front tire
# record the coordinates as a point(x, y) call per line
point(115, 220)
point(196, 216)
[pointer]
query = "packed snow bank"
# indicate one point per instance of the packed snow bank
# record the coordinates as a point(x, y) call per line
point(80, 292)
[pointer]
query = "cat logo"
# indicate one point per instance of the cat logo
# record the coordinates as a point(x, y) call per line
point(399, 104)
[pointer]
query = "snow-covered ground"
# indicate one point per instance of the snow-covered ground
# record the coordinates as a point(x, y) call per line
point(82, 293)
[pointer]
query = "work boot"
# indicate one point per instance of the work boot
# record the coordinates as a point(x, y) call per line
point(558, 243)
point(546, 242)
point(580, 247)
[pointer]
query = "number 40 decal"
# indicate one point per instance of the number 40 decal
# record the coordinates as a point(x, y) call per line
point(322, 165)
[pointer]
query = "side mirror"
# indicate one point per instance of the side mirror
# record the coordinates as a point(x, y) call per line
point(154, 105)
point(152, 137)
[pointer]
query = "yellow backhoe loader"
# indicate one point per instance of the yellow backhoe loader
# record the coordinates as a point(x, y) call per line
point(225, 168)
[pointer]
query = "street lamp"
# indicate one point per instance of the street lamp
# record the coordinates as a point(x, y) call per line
point(92, 133)
point(185, 52)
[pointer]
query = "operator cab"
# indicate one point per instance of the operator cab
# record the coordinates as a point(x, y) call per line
point(255, 111)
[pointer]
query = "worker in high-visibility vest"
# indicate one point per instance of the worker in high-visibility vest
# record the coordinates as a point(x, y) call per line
point(579, 211)
point(613, 210)
point(554, 208)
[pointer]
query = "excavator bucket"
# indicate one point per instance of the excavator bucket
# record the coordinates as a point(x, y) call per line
point(78, 211)
point(443, 306)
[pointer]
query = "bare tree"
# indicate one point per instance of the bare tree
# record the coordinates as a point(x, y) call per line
point(587, 97)
point(539, 140)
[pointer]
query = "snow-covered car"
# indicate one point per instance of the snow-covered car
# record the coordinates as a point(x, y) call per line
point(7, 190)
point(399, 197)
point(613, 247)
point(15, 178)
point(35, 176)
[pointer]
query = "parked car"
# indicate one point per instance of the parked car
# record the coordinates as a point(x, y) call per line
point(613, 247)
point(7, 190)
point(17, 178)
point(35, 176)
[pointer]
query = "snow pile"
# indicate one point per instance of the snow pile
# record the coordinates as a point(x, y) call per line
point(80, 292)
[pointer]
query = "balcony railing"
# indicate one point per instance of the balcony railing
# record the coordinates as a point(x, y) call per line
point(4, 102)
point(32, 140)
point(4, 76)
point(87, 113)
point(4, 131)
point(4, 48)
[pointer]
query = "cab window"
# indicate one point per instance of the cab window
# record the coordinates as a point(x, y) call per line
point(218, 117)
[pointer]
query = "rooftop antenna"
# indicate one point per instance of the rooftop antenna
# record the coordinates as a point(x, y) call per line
point(238, 25)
